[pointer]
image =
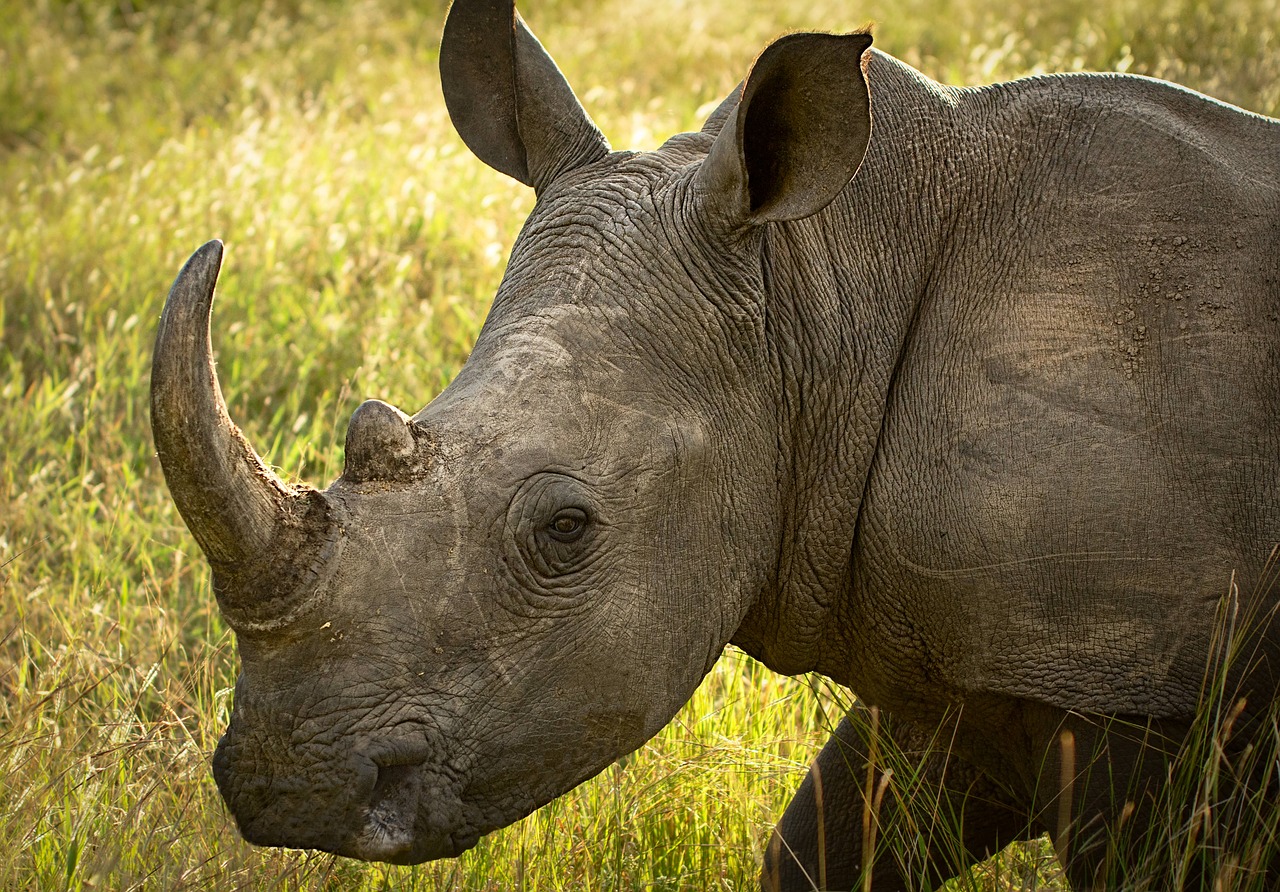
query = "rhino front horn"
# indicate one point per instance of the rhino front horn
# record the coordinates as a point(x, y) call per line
point(245, 519)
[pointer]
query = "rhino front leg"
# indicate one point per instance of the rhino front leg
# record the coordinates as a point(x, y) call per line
point(819, 843)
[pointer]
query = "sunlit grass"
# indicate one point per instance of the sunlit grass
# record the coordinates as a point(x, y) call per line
point(364, 243)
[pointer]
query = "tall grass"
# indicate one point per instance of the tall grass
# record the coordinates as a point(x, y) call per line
point(1203, 814)
point(1216, 816)
point(363, 245)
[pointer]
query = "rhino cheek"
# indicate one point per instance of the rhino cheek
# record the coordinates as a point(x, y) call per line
point(540, 753)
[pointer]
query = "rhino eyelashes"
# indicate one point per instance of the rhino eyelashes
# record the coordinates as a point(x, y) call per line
point(555, 557)
point(568, 525)
point(561, 546)
point(553, 543)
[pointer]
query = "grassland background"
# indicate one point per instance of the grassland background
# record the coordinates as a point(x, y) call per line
point(363, 245)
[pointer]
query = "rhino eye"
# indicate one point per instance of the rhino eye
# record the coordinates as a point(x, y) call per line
point(568, 525)
point(556, 525)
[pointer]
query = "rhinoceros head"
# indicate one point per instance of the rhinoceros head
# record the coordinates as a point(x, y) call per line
point(524, 581)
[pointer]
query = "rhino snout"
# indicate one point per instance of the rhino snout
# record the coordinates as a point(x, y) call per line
point(392, 808)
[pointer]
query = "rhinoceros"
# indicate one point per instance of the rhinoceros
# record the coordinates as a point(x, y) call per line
point(967, 399)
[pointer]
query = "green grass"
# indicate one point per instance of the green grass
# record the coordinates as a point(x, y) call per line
point(364, 243)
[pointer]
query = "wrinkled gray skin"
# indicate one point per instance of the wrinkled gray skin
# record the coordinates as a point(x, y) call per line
point(981, 432)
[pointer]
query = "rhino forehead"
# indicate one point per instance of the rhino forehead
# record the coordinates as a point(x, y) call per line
point(610, 214)
point(630, 290)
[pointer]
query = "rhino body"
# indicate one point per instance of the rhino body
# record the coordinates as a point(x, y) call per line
point(988, 432)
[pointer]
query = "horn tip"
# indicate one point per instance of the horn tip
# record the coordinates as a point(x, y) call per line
point(209, 252)
point(196, 280)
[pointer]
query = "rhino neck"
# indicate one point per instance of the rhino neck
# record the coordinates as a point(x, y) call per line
point(844, 287)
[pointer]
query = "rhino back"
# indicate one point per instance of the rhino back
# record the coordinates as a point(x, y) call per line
point(1081, 436)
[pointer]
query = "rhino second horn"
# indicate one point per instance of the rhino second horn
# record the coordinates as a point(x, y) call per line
point(233, 504)
point(380, 444)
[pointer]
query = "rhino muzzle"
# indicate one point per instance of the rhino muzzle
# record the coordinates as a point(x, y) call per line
point(378, 805)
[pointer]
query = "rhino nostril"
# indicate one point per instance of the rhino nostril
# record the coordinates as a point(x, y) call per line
point(391, 782)
point(391, 816)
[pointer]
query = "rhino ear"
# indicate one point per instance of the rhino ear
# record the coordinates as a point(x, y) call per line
point(798, 134)
point(508, 100)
